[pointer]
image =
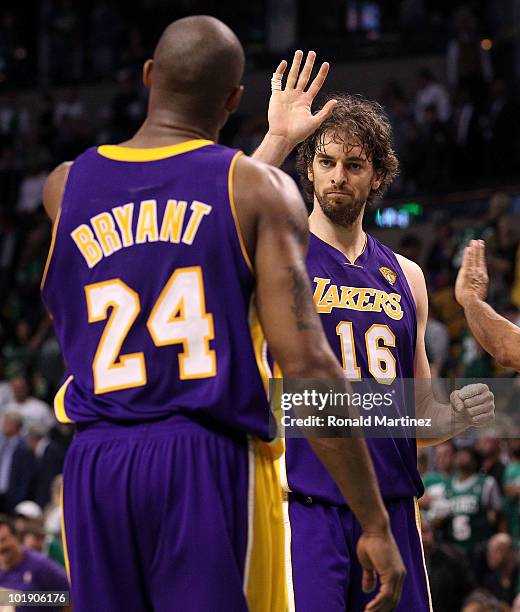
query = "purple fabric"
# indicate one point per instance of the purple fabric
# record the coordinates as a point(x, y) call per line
point(35, 573)
point(235, 396)
point(156, 517)
point(325, 570)
point(395, 459)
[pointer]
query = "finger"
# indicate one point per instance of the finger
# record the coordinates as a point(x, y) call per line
point(465, 258)
point(325, 112)
point(295, 69)
point(483, 419)
point(473, 260)
point(305, 74)
point(319, 79)
point(481, 254)
point(476, 411)
point(478, 400)
point(368, 582)
point(384, 600)
point(456, 401)
point(472, 390)
point(282, 66)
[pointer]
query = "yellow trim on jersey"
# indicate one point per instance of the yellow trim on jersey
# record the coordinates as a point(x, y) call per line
point(59, 402)
point(51, 248)
point(263, 587)
point(288, 557)
point(418, 525)
point(130, 154)
point(63, 534)
point(234, 211)
point(276, 446)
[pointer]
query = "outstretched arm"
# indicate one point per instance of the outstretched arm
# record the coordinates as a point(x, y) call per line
point(496, 335)
point(290, 110)
point(473, 405)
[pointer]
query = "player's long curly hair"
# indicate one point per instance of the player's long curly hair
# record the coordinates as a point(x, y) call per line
point(353, 118)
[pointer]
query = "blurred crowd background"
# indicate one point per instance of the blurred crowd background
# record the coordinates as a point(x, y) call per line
point(447, 74)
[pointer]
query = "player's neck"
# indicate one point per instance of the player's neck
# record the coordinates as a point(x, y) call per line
point(164, 128)
point(350, 240)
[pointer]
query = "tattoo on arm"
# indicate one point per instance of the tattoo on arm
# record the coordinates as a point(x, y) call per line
point(302, 305)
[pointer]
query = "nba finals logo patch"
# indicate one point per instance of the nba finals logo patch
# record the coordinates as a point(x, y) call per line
point(388, 274)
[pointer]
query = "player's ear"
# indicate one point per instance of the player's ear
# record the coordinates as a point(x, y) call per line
point(147, 73)
point(233, 101)
point(310, 174)
point(377, 180)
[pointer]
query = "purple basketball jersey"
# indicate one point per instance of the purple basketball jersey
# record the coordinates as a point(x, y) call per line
point(150, 290)
point(369, 317)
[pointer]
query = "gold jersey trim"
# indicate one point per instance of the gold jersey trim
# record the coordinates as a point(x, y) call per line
point(129, 154)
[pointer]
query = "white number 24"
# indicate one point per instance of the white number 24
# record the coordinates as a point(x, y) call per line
point(178, 317)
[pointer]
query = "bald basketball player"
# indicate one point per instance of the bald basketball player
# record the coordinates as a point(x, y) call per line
point(495, 334)
point(171, 257)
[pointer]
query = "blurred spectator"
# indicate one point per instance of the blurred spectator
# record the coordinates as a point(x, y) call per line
point(489, 448)
point(31, 186)
point(437, 340)
point(499, 573)
point(22, 569)
point(450, 578)
point(33, 537)
point(500, 129)
point(474, 362)
point(127, 108)
point(466, 138)
point(103, 33)
point(32, 410)
point(468, 64)
point(52, 523)
point(71, 106)
point(49, 456)
point(431, 148)
point(432, 95)
point(435, 481)
point(473, 502)
point(511, 485)
point(410, 247)
point(64, 39)
point(482, 601)
point(440, 255)
point(16, 463)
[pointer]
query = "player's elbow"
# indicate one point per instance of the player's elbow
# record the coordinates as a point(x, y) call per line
point(507, 357)
point(315, 363)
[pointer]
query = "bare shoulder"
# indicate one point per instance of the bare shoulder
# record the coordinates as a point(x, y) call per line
point(415, 277)
point(412, 270)
point(265, 180)
point(54, 188)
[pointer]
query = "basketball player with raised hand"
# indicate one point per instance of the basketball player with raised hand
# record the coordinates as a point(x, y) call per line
point(373, 307)
point(495, 334)
point(170, 257)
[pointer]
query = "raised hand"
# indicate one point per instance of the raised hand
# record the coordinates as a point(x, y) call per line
point(472, 280)
point(290, 109)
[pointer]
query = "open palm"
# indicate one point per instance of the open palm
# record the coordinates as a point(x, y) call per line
point(290, 110)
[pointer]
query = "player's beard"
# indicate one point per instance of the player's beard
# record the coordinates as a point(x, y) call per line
point(344, 215)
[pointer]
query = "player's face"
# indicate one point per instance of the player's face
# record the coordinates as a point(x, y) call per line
point(343, 178)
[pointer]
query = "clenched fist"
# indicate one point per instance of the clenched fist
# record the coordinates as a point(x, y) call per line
point(475, 404)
